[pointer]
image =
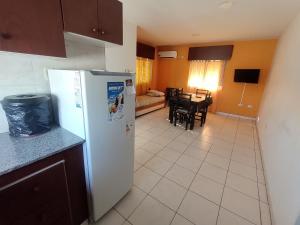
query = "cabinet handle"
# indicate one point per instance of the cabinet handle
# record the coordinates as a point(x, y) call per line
point(5, 35)
point(94, 30)
point(102, 32)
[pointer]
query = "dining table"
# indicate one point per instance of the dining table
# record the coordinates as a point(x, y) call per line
point(196, 100)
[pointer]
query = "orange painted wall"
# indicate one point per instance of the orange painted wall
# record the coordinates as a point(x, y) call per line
point(246, 55)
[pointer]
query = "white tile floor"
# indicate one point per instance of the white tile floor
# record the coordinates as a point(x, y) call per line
point(209, 176)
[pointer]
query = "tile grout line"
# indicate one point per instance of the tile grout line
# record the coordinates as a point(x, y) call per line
point(164, 176)
point(263, 171)
point(237, 215)
point(245, 195)
point(226, 175)
point(126, 219)
point(259, 201)
point(243, 177)
point(175, 211)
point(258, 183)
point(203, 160)
point(260, 214)
point(188, 189)
point(143, 165)
point(147, 194)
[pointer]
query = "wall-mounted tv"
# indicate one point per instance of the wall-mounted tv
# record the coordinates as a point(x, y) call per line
point(247, 75)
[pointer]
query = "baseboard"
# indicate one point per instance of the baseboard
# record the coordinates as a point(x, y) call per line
point(236, 116)
point(266, 179)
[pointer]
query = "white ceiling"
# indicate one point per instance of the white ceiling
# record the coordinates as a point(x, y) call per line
point(169, 22)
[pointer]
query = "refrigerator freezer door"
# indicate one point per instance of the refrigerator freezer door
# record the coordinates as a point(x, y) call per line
point(110, 138)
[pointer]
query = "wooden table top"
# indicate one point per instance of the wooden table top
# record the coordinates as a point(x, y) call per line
point(198, 98)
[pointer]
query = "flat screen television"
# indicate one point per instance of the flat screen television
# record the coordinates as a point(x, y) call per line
point(247, 75)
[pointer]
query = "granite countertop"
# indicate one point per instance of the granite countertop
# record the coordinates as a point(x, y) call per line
point(16, 152)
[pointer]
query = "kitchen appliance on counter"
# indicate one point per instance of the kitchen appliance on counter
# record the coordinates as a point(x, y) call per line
point(28, 114)
point(99, 107)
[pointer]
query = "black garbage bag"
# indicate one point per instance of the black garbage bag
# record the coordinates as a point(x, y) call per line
point(28, 114)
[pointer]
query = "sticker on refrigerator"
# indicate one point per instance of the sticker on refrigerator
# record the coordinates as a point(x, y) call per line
point(130, 90)
point(77, 91)
point(129, 128)
point(115, 100)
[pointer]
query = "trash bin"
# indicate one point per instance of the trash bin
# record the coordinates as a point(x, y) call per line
point(28, 114)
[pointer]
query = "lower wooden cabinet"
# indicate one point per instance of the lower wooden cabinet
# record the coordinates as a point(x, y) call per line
point(49, 192)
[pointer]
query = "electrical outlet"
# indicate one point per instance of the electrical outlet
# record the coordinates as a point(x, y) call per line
point(250, 106)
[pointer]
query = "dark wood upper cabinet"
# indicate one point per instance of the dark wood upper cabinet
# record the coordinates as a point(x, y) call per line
point(32, 26)
point(111, 21)
point(81, 17)
point(37, 26)
point(101, 19)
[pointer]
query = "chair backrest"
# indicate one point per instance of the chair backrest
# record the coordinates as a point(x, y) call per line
point(173, 92)
point(201, 92)
point(183, 101)
point(185, 96)
point(209, 100)
point(206, 103)
point(179, 91)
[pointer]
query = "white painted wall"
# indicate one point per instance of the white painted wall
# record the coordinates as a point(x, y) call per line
point(122, 59)
point(279, 129)
point(21, 73)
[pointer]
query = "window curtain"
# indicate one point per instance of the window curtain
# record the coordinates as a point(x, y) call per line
point(143, 75)
point(207, 74)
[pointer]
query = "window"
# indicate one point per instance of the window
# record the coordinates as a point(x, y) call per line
point(206, 74)
point(143, 75)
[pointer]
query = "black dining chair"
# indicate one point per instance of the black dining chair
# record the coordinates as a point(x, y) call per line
point(183, 109)
point(202, 92)
point(202, 109)
point(170, 93)
point(179, 91)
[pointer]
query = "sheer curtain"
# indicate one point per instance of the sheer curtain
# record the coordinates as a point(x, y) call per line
point(143, 75)
point(207, 74)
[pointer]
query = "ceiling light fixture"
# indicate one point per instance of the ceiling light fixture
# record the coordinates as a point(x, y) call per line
point(225, 5)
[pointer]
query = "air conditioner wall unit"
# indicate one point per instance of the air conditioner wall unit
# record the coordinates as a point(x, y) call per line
point(167, 54)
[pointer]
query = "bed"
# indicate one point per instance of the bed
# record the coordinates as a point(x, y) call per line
point(146, 104)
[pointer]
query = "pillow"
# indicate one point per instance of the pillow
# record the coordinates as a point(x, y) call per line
point(155, 93)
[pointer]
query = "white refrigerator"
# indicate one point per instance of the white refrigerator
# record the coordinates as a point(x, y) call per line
point(99, 107)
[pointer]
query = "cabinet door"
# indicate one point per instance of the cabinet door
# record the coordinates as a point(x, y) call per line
point(40, 198)
point(111, 21)
point(32, 26)
point(81, 17)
